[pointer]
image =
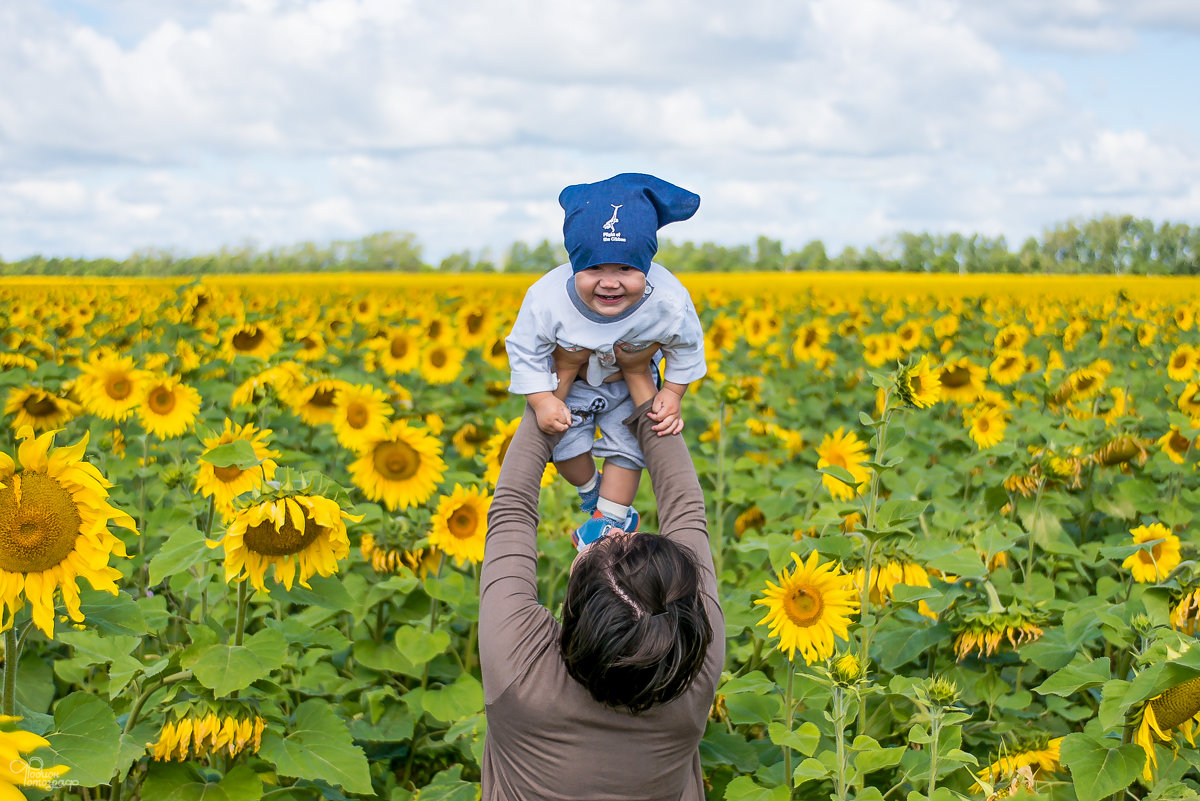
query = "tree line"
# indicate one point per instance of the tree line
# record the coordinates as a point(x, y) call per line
point(1116, 245)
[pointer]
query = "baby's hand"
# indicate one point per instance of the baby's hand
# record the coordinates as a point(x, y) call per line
point(665, 410)
point(553, 416)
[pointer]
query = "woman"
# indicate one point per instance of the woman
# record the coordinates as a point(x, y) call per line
point(612, 703)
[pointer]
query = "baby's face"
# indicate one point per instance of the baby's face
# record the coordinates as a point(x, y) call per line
point(610, 289)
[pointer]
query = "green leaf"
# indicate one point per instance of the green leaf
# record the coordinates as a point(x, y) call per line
point(184, 548)
point(963, 562)
point(226, 668)
point(113, 614)
point(93, 648)
point(803, 739)
point(448, 785)
point(1099, 769)
point(744, 788)
point(318, 747)
point(463, 697)
point(898, 512)
point(1081, 674)
point(841, 474)
point(86, 738)
point(419, 645)
point(810, 770)
point(753, 682)
point(239, 453)
point(167, 782)
point(747, 709)
point(871, 756)
point(720, 747)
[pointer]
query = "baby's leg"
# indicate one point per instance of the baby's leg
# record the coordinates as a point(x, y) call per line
point(579, 470)
point(619, 484)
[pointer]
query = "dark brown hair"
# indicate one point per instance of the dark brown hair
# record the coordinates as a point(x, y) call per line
point(634, 629)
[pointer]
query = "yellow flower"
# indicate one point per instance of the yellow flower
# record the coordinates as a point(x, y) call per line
point(109, 386)
point(168, 407)
point(984, 632)
point(441, 363)
point(460, 524)
point(398, 351)
point(259, 340)
point(200, 735)
point(1183, 363)
point(1038, 759)
point(39, 409)
point(1012, 337)
point(54, 518)
point(752, 519)
point(1189, 399)
point(918, 385)
point(298, 535)
point(386, 560)
point(809, 607)
point(360, 415)
point(315, 403)
point(497, 447)
point(14, 770)
point(1175, 445)
point(986, 428)
point(469, 439)
point(1160, 716)
point(401, 467)
point(961, 380)
point(282, 378)
point(845, 451)
point(809, 340)
point(1185, 616)
point(224, 484)
point(1155, 563)
point(1008, 366)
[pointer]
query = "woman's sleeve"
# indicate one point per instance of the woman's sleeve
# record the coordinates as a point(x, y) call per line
point(680, 502)
point(513, 625)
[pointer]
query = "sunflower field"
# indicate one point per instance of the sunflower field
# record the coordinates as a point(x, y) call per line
point(241, 522)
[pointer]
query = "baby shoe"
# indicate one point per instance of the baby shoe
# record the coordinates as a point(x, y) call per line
point(587, 500)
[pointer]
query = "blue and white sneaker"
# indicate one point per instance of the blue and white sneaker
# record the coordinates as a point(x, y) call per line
point(589, 499)
point(599, 526)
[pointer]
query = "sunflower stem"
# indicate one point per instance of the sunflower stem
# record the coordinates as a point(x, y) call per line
point(243, 601)
point(1031, 545)
point(935, 730)
point(839, 735)
point(787, 722)
point(12, 653)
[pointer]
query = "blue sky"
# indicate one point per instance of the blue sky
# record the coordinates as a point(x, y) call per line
point(133, 124)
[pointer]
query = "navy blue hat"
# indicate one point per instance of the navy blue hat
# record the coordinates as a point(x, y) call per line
point(617, 221)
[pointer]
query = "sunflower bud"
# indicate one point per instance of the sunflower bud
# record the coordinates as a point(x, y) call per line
point(847, 669)
point(1141, 624)
point(942, 691)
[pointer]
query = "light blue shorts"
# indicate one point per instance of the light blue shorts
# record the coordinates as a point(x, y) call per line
point(605, 408)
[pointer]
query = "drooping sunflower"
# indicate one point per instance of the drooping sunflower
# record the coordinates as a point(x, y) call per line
point(441, 362)
point(401, 467)
point(360, 415)
point(224, 484)
point(385, 559)
point(14, 770)
point(460, 524)
point(1155, 563)
point(1189, 399)
point(299, 535)
point(983, 633)
point(918, 386)
point(885, 577)
point(199, 734)
point(1040, 756)
point(1121, 451)
point(168, 407)
point(752, 519)
point(281, 379)
point(1185, 616)
point(1159, 717)
point(961, 380)
point(54, 519)
point(809, 607)
point(845, 451)
point(109, 386)
point(38, 409)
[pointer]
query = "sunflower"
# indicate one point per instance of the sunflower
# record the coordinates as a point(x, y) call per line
point(38, 409)
point(918, 386)
point(14, 770)
point(54, 518)
point(1175, 445)
point(752, 519)
point(1185, 616)
point(398, 351)
point(293, 533)
point(469, 439)
point(1158, 717)
point(809, 340)
point(495, 353)
point(1086, 383)
point(315, 403)
point(1183, 363)
point(885, 577)
point(1011, 337)
point(1189, 399)
point(1155, 563)
point(282, 378)
point(846, 451)
point(401, 467)
point(196, 734)
point(16, 361)
point(109, 386)
point(983, 633)
point(1008, 366)
point(961, 380)
point(497, 448)
point(986, 427)
point(911, 335)
point(460, 524)
point(441, 363)
point(310, 345)
point(360, 415)
point(809, 607)
point(1122, 450)
point(224, 484)
point(168, 407)
point(473, 323)
point(258, 340)
point(1036, 757)
point(385, 560)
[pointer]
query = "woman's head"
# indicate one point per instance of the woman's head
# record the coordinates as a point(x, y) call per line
point(634, 630)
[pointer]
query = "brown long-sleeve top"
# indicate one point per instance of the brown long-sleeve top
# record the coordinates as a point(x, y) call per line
point(547, 738)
